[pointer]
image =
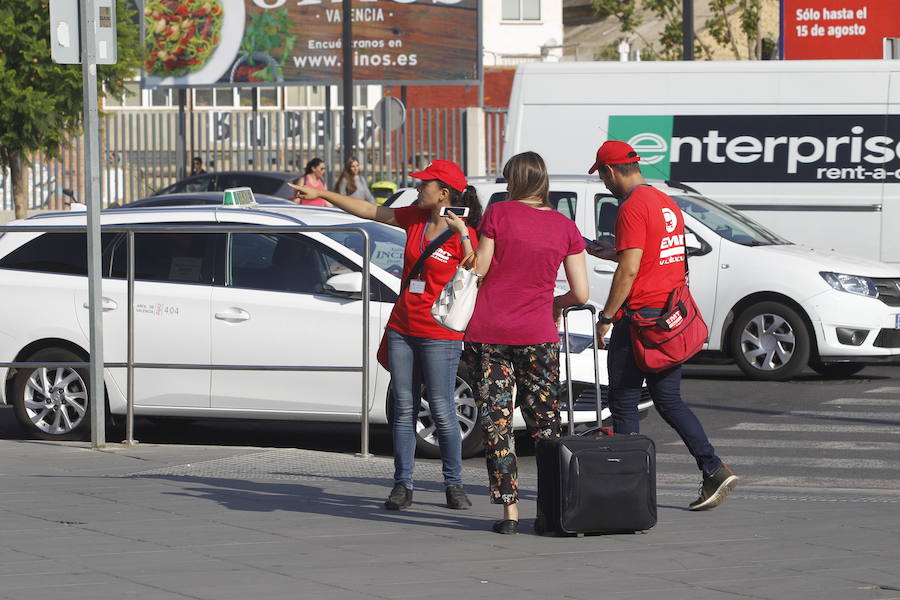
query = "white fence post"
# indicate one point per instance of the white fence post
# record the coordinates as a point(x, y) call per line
point(476, 147)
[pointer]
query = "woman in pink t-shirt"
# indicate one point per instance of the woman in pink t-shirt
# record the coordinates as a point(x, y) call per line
point(513, 337)
point(314, 177)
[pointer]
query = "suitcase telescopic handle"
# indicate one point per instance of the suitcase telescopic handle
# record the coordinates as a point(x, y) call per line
point(570, 405)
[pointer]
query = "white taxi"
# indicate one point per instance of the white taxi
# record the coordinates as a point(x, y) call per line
point(216, 298)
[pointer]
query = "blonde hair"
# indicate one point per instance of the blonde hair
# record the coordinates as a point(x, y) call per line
point(526, 177)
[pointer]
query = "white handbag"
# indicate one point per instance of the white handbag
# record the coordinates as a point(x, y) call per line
point(456, 302)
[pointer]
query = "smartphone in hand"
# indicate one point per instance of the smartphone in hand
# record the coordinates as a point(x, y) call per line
point(594, 246)
point(460, 211)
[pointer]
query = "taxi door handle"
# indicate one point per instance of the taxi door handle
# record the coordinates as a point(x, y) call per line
point(233, 315)
point(106, 303)
point(599, 269)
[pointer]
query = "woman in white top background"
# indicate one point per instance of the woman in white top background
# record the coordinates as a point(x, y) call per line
point(351, 183)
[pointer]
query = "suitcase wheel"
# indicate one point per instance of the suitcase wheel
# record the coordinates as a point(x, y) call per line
point(539, 527)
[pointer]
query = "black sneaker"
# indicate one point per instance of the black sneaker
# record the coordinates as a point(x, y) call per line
point(506, 527)
point(714, 489)
point(456, 498)
point(399, 498)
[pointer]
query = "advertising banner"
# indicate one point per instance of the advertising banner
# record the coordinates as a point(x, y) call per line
point(286, 42)
point(837, 29)
point(771, 148)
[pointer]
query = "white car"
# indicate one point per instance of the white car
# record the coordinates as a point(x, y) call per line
point(216, 298)
point(771, 306)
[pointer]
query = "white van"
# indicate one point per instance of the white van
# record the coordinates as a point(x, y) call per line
point(771, 306)
point(811, 149)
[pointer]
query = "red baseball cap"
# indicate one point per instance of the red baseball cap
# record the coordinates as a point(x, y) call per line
point(614, 152)
point(445, 170)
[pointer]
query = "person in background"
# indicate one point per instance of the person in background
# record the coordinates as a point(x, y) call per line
point(197, 166)
point(351, 183)
point(647, 222)
point(421, 351)
point(512, 340)
point(314, 177)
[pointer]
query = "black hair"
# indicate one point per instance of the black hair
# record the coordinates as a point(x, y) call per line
point(197, 159)
point(469, 198)
point(312, 164)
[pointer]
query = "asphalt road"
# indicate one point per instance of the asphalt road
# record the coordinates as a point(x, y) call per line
point(810, 433)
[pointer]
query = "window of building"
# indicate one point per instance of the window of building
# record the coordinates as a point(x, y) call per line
point(521, 10)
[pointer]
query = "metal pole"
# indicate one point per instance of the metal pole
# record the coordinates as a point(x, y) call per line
point(347, 66)
point(88, 16)
point(181, 141)
point(129, 400)
point(329, 130)
point(366, 297)
point(687, 25)
point(403, 149)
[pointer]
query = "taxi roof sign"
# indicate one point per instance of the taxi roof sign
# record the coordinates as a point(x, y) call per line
point(239, 197)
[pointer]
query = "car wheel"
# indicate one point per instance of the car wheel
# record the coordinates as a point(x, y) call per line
point(836, 370)
point(769, 341)
point(467, 411)
point(50, 402)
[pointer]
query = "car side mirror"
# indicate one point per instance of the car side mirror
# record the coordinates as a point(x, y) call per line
point(695, 245)
point(345, 285)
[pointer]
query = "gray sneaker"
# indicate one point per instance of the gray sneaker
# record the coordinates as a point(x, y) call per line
point(714, 489)
point(456, 498)
point(399, 498)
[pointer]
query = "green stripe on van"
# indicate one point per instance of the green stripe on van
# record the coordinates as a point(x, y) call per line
point(650, 136)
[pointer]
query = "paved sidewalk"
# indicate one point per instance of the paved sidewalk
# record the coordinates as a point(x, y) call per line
point(220, 523)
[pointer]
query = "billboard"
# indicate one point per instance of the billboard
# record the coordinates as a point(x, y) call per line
point(288, 42)
point(782, 148)
point(837, 29)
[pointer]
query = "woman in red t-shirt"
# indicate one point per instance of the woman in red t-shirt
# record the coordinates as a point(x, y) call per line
point(420, 350)
point(513, 337)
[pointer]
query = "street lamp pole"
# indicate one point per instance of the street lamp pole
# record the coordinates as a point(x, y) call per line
point(347, 60)
point(687, 24)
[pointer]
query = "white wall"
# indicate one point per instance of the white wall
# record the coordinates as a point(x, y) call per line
point(520, 38)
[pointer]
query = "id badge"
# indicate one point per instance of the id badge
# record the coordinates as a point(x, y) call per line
point(417, 286)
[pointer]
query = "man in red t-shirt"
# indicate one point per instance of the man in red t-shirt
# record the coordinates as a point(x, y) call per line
point(651, 255)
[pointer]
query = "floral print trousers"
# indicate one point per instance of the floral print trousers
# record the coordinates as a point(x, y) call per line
point(497, 370)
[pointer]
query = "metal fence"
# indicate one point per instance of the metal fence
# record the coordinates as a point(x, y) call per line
point(141, 151)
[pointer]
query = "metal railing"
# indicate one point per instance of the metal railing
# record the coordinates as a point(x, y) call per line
point(131, 365)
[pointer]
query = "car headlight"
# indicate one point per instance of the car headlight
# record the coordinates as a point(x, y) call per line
point(579, 342)
point(852, 284)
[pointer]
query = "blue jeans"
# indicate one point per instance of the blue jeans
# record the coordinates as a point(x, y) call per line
point(415, 361)
point(625, 381)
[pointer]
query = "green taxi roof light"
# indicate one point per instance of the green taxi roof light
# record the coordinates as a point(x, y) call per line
point(241, 197)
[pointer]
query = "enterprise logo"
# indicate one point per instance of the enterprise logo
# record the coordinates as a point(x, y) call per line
point(764, 147)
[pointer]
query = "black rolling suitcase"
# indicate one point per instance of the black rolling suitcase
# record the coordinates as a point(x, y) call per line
point(595, 482)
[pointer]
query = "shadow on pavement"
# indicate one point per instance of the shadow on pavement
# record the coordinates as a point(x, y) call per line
point(255, 496)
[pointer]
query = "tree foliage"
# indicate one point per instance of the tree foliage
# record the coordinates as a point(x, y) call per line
point(733, 24)
point(41, 101)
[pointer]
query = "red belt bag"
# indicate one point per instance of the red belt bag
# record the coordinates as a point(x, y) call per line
point(671, 338)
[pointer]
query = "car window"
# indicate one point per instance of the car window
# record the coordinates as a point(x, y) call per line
point(729, 223)
point(176, 257)
point(606, 207)
point(279, 263)
point(64, 253)
point(200, 183)
point(387, 244)
point(260, 184)
point(564, 202)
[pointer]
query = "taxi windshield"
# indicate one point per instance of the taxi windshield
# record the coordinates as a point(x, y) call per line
point(387, 243)
point(729, 223)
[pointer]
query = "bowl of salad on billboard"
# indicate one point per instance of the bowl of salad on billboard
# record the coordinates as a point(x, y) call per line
point(190, 41)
